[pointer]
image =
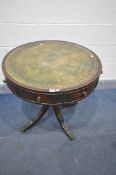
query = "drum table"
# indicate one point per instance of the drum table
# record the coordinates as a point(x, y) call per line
point(51, 73)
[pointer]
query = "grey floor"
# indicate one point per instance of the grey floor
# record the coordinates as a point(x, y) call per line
point(45, 150)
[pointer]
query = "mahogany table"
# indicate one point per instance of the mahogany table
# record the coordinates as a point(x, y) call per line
point(51, 73)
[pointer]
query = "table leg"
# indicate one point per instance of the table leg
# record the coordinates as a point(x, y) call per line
point(35, 119)
point(63, 123)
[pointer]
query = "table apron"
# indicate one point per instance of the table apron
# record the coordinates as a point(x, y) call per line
point(52, 98)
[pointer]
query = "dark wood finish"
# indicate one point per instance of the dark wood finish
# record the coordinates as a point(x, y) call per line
point(49, 98)
point(62, 123)
point(35, 119)
point(67, 93)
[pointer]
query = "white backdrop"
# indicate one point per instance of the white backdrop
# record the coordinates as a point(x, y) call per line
point(91, 23)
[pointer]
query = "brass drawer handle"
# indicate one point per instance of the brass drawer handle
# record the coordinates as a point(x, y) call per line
point(84, 93)
point(38, 99)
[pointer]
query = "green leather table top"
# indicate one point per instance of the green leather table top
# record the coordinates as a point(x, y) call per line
point(51, 65)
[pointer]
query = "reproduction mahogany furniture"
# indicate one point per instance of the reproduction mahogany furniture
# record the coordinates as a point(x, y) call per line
point(51, 73)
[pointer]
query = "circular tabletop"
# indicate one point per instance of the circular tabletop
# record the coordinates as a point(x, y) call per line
point(51, 65)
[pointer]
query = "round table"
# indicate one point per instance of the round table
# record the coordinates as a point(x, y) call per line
point(51, 72)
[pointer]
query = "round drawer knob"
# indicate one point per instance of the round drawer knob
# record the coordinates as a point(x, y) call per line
point(102, 72)
point(4, 81)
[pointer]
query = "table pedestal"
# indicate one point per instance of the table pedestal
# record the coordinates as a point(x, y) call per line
point(59, 117)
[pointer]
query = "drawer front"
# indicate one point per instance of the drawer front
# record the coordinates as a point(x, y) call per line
point(36, 97)
point(52, 98)
point(80, 94)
